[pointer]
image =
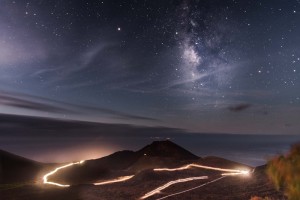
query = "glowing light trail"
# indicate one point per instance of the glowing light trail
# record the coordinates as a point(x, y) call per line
point(230, 172)
point(119, 179)
point(159, 189)
point(242, 172)
point(227, 172)
point(199, 186)
point(45, 177)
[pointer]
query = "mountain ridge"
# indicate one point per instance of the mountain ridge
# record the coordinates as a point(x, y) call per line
point(158, 154)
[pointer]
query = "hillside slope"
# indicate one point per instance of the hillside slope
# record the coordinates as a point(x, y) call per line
point(15, 168)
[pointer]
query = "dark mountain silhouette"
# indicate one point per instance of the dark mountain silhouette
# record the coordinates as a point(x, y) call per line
point(162, 154)
point(157, 154)
point(103, 168)
point(166, 149)
point(15, 168)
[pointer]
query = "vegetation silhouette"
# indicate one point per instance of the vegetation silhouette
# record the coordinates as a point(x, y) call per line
point(284, 172)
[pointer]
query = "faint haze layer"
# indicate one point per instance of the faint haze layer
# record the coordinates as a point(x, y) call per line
point(49, 140)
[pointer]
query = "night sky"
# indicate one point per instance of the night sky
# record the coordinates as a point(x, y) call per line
point(206, 66)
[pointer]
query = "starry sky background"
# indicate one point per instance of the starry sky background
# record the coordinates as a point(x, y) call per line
point(209, 66)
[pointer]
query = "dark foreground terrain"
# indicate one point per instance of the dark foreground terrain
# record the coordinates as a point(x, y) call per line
point(18, 182)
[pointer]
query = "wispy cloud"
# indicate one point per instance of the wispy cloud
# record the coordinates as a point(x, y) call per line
point(33, 103)
point(17, 101)
point(239, 107)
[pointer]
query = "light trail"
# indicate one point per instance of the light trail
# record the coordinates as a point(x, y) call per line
point(242, 172)
point(227, 172)
point(46, 177)
point(119, 179)
point(199, 186)
point(159, 189)
point(230, 172)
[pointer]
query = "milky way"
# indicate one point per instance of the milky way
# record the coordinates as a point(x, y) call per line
point(182, 64)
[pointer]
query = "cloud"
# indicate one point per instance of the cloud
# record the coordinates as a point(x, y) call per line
point(239, 107)
point(33, 103)
point(114, 113)
point(19, 102)
point(73, 128)
point(58, 140)
point(52, 140)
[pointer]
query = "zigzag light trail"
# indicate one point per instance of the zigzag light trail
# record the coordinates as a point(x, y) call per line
point(199, 186)
point(159, 189)
point(46, 176)
point(228, 172)
point(185, 167)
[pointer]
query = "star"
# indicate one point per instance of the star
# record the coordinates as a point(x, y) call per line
point(119, 29)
